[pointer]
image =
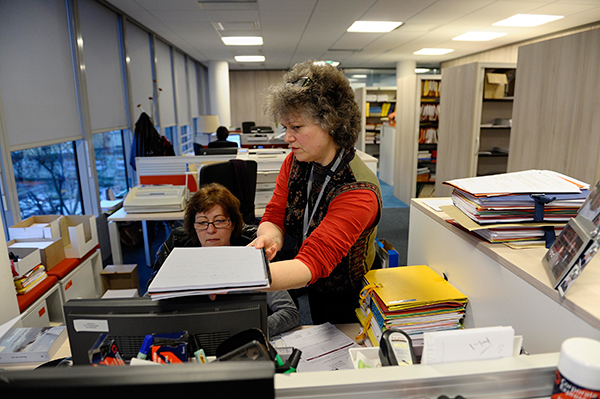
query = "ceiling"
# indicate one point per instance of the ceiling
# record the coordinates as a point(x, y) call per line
point(296, 30)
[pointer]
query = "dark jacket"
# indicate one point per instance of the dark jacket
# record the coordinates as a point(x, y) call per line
point(283, 313)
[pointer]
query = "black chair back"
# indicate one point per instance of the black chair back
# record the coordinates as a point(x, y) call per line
point(246, 126)
point(239, 176)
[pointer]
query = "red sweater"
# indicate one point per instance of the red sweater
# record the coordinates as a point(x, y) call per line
point(348, 216)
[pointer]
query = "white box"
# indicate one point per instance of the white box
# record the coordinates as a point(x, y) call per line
point(36, 315)
point(43, 226)
point(123, 293)
point(80, 283)
point(28, 259)
point(370, 356)
point(81, 235)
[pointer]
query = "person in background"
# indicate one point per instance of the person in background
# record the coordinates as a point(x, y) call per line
point(212, 218)
point(222, 134)
point(326, 197)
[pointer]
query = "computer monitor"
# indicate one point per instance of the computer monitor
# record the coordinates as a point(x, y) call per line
point(235, 138)
point(128, 320)
point(220, 380)
point(232, 137)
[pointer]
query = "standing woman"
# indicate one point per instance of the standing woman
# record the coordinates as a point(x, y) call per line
point(325, 197)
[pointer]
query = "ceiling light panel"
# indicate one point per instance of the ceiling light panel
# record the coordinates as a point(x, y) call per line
point(433, 51)
point(479, 36)
point(250, 58)
point(527, 20)
point(374, 26)
point(242, 40)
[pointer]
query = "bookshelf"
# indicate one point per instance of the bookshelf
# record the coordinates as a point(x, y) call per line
point(474, 131)
point(417, 118)
point(375, 104)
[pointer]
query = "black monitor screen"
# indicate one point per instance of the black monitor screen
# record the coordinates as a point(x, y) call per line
point(214, 380)
point(127, 321)
point(217, 151)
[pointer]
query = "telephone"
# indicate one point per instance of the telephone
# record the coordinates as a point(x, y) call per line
point(395, 348)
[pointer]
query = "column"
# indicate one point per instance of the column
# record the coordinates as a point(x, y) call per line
point(405, 68)
point(218, 91)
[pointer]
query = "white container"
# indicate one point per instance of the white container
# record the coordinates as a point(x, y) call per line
point(578, 369)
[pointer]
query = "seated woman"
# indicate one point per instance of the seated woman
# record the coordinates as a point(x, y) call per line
point(212, 218)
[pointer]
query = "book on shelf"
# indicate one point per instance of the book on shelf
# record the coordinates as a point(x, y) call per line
point(31, 344)
point(211, 270)
point(30, 279)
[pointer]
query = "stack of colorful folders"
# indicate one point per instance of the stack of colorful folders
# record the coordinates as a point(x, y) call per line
point(519, 208)
point(413, 298)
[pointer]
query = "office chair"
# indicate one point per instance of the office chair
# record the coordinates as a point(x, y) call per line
point(246, 126)
point(239, 176)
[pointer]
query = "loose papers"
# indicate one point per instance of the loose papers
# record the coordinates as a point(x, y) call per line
point(520, 208)
point(210, 270)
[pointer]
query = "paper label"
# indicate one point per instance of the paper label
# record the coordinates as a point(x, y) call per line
point(84, 325)
point(565, 389)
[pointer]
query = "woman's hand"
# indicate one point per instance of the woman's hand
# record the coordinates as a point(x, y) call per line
point(267, 242)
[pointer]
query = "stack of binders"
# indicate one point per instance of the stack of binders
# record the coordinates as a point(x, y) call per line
point(26, 281)
point(413, 298)
point(520, 208)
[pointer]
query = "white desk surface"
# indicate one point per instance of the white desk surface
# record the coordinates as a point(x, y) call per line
point(122, 216)
point(583, 299)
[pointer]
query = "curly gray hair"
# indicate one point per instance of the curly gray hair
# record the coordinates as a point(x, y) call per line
point(319, 92)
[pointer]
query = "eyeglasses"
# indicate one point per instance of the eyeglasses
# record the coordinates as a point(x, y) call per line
point(302, 82)
point(219, 224)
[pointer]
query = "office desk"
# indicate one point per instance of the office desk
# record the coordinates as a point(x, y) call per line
point(505, 286)
point(122, 216)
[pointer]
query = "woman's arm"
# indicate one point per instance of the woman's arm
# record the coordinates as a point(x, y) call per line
point(285, 315)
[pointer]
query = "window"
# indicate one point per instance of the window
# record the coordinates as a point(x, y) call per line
point(47, 180)
point(110, 163)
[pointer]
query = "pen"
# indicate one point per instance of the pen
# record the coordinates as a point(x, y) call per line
point(143, 353)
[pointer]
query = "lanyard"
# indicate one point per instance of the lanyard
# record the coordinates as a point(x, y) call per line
point(309, 188)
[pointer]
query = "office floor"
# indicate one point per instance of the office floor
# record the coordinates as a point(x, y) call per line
point(393, 227)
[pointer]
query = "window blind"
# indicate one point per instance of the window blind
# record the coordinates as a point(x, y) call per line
point(164, 82)
point(193, 83)
point(183, 98)
point(103, 73)
point(36, 74)
point(140, 69)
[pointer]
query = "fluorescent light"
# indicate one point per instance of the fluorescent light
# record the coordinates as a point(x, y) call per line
point(422, 70)
point(527, 20)
point(359, 76)
point(373, 26)
point(479, 36)
point(249, 58)
point(433, 51)
point(242, 40)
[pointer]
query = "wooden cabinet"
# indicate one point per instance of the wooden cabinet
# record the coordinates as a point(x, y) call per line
point(474, 131)
point(417, 119)
point(375, 103)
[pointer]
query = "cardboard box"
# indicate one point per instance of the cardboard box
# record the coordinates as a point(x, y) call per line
point(80, 235)
point(44, 226)
point(51, 249)
point(118, 277)
point(495, 84)
point(28, 259)
point(387, 254)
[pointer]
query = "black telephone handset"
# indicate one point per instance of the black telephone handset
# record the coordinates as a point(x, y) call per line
point(395, 348)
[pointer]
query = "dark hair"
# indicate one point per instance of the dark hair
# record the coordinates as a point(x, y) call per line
point(222, 133)
point(206, 198)
point(325, 98)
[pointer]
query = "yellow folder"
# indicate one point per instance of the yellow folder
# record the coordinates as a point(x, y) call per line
point(411, 286)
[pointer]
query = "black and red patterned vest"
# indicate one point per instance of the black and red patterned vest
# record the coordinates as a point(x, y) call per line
point(352, 174)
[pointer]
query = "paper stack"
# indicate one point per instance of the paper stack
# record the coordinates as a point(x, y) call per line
point(413, 298)
point(210, 270)
point(27, 269)
point(520, 208)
